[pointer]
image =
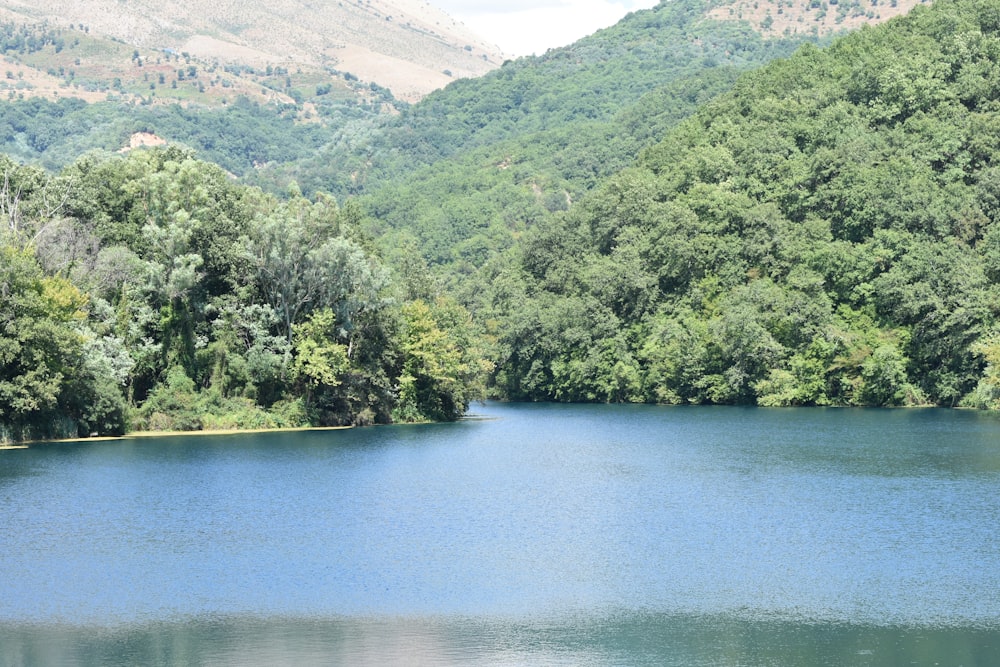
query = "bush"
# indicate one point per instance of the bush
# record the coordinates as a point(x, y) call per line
point(172, 405)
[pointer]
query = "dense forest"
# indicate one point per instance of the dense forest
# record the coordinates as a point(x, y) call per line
point(238, 137)
point(823, 234)
point(581, 226)
point(190, 313)
point(459, 176)
point(471, 166)
point(151, 291)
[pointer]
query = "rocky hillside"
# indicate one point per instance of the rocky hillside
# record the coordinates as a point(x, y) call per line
point(183, 49)
point(805, 17)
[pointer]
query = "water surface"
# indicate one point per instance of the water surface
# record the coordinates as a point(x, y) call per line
point(533, 534)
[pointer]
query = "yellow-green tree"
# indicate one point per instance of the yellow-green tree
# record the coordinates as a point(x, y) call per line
point(442, 369)
point(320, 361)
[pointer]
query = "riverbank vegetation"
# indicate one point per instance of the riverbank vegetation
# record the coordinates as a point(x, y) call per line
point(151, 291)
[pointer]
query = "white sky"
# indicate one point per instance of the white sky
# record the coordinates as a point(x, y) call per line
point(525, 27)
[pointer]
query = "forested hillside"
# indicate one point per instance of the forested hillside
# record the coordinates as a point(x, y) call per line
point(152, 292)
point(464, 172)
point(561, 121)
point(180, 299)
point(238, 138)
point(824, 234)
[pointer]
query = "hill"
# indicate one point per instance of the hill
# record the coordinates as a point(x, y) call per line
point(460, 175)
point(647, 215)
point(210, 51)
point(281, 115)
point(590, 80)
point(823, 234)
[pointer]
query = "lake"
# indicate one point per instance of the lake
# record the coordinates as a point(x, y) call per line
point(524, 535)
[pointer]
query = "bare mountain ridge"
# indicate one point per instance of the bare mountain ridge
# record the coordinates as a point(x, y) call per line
point(407, 46)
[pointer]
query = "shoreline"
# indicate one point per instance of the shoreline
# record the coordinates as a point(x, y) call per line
point(139, 435)
point(216, 431)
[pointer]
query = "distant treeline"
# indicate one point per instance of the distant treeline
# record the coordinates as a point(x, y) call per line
point(239, 138)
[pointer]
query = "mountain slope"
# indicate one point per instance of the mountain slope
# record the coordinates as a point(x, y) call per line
point(810, 17)
point(274, 56)
point(526, 140)
point(826, 233)
point(404, 45)
point(469, 168)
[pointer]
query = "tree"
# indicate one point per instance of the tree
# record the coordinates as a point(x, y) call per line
point(302, 264)
point(441, 372)
point(320, 362)
point(44, 377)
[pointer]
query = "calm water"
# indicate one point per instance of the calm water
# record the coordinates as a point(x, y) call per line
point(530, 535)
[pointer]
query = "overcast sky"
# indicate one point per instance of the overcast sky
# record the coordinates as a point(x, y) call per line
point(525, 27)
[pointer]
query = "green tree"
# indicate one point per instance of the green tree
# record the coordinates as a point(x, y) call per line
point(441, 375)
point(320, 362)
point(302, 263)
point(44, 377)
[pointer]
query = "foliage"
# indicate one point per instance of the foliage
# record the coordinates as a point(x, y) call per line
point(49, 387)
point(467, 170)
point(151, 291)
point(823, 234)
point(440, 373)
point(577, 227)
point(239, 137)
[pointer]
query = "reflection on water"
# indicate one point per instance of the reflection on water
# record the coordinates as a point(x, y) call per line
point(542, 535)
point(634, 640)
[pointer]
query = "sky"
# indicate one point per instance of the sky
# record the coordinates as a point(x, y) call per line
point(526, 27)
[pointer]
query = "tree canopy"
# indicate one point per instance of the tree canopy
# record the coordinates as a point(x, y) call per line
point(151, 291)
point(823, 234)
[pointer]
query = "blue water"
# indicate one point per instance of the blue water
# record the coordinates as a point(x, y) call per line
point(529, 534)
